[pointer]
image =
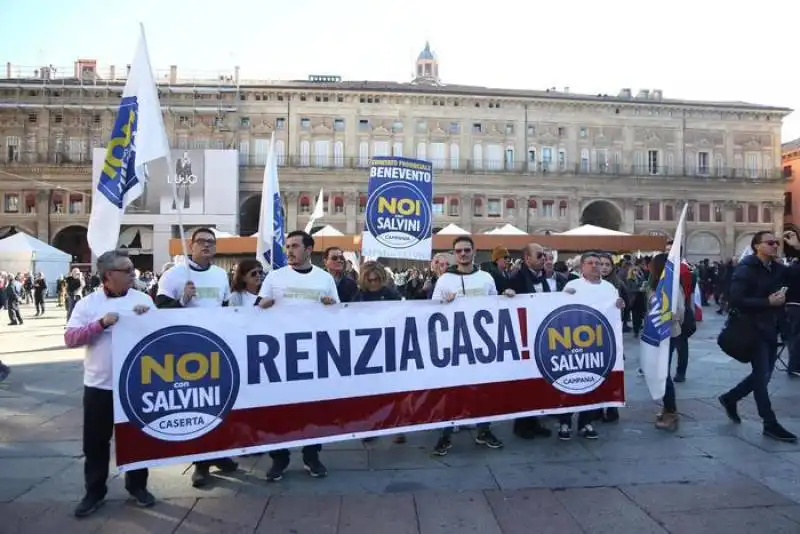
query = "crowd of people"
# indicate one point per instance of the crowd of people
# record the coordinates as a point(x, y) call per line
point(630, 281)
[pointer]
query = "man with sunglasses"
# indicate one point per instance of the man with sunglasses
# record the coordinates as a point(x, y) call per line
point(198, 284)
point(532, 278)
point(464, 279)
point(335, 265)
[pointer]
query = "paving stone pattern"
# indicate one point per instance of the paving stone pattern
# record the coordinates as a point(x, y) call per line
point(709, 477)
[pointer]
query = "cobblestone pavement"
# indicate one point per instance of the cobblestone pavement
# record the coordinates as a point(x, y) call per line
point(709, 477)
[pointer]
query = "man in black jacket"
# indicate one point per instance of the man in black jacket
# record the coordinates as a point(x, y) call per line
point(498, 268)
point(531, 278)
point(335, 265)
point(556, 280)
point(758, 291)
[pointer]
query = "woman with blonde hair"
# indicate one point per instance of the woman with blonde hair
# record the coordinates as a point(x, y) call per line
point(246, 282)
point(373, 284)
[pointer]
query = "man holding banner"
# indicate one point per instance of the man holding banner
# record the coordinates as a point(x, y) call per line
point(464, 279)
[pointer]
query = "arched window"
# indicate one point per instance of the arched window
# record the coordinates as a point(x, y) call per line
point(739, 213)
point(511, 208)
point(752, 213)
point(532, 207)
point(562, 209)
point(477, 157)
point(338, 154)
point(362, 203)
point(454, 156)
point(477, 207)
point(338, 204)
point(280, 153)
point(305, 153)
point(453, 207)
point(766, 214)
point(305, 204)
point(363, 154)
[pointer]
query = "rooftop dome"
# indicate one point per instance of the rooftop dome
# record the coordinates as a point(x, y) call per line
point(426, 53)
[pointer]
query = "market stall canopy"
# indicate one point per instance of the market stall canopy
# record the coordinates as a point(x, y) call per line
point(590, 229)
point(328, 231)
point(452, 229)
point(24, 253)
point(507, 229)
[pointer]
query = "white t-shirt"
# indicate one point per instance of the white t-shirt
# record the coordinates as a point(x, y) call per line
point(477, 284)
point(604, 291)
point(211, 284)
point(97, 363)
point(242, 298)
point(286, 283)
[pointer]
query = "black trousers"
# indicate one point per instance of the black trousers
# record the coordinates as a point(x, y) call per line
point(98, 427)
point(38, 298)
point(14, 316)
point(309, 452)
point(584, 418)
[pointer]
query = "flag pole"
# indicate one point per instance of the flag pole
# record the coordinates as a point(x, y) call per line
point(178, 207)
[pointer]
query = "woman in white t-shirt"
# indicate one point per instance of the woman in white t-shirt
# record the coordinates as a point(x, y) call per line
point(246, 282)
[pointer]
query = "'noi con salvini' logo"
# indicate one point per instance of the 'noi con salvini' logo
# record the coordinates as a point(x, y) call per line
point(178, 383)
point(575, 349)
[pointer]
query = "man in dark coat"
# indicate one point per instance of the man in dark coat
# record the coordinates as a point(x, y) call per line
point(498, 268)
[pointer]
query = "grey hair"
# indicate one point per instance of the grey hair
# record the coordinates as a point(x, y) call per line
point(107, 261)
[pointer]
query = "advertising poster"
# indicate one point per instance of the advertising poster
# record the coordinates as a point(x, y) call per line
point(399, 213)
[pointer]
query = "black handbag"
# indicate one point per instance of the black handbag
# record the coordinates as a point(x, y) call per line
point(738, 338)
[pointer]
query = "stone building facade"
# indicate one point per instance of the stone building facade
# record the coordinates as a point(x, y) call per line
point(540, 160)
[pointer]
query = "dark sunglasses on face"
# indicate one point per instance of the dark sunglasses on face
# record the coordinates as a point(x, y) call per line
point(256, 273)
point(125, 271)
point(770, 243)
point(335, 257)
point(462, 250)
point(209, 242)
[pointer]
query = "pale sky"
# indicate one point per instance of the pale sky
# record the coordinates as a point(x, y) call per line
point(698, 49)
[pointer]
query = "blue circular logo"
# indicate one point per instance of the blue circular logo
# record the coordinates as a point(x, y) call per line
point(398, 215)
point(179, 383)
point(575, 349)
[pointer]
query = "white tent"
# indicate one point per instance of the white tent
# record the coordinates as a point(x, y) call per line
point(21, 253)
point(328, 231)
point(452, 229)
point(590, 229)
point(507, 229)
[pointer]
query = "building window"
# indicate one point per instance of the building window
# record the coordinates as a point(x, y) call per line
point(583, 132)
point(454, 156)
point(32, 117)
point(547, 209)
point(561, 131)
point(509, 129)
point(477, 156)
point(766, 214)
point(787, 203)
point(719, 167)
point(454, 128)
point(532, 208)
point(244, 122)
point(601, 160)
point(652, 162)
point(422, 126)
point(703, 162)
point(184, 120)
point(531, 129)
point(532, 158)
point(362, 203)
point(75, 204)
point(739, 213)
point(562, 209)
point(717, 214)
point(752, 213)
point(305, 123)
point(11, 203)
point(305, 204)
point(690, 213)
point(397, 126)
point(477, 128)
point(453, 209)
point(511, 208)
point(639, 212)
point(654, 210)
point(280, 123)
point(562, 160)
point(493, 207)
point(787, 171)
point(669, 212)
point(705, 213)
point(97, 119)
point(338, 125)
point(477, 208)
point(547, 158)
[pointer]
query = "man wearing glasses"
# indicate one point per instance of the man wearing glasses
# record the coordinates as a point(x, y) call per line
point(198, 283)
point(335, 265)
point(464, 279)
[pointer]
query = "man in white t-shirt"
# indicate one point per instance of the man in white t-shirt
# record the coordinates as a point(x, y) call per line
point(299, 281)
point(590, 283)
point(90, 325)
point(464, 279)
point(198, 284)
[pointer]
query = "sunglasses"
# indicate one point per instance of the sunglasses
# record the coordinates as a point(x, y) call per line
point(334, 257)
point(256, 273)
point(770, 243)
point(209, 242)
point(462, 250)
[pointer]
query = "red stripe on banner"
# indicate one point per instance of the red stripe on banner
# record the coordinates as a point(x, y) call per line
point(268, 425)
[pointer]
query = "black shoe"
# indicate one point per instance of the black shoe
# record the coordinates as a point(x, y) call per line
point(275, 472)
point(200, 476)
point(4, 372)
point(730, 409)
point(315, 468)
point(89, 505)
point(486, 438)
point(442, 447)
point(143, 498)
point(611, 415)
point(225, 465)
point(679, 378)
point(588, 432)
point(778, 433)
point(565, 433)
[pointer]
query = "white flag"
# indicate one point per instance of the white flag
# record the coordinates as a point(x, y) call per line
point(319, 211)
point(270, 242)
point(137, 138)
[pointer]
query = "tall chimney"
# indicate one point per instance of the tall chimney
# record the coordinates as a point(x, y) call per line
point(236, 74)
point(173, 74)
point(113, 73)
point(8, 70)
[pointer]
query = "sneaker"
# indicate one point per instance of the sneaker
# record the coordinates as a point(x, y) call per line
point(315, 468)
point(89, 505)
point(778, 433)
point(730, 409)
point(667, 421)
point(485, 437)
point(200, 476)
point(588, 432)
point(565, 433)
point(143, 498)
point(442, 446)
point(4, 372)
point(225, 465)
point(275, 472)
point(639, 372)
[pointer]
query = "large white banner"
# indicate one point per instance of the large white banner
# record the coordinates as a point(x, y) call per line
point(202, 383)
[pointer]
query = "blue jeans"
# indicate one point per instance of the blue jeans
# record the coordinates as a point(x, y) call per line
point(763, 363)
